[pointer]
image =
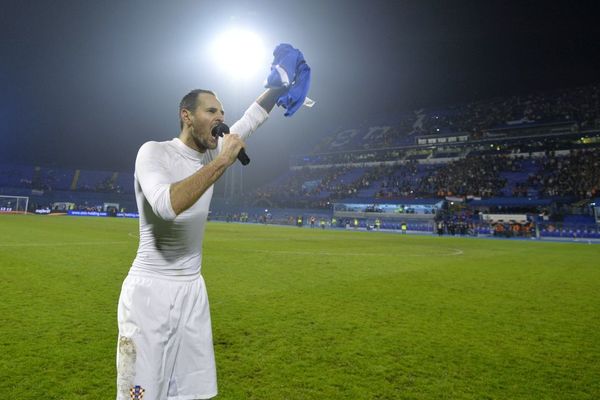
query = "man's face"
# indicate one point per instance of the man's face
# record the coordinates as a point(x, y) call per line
point(208, 113)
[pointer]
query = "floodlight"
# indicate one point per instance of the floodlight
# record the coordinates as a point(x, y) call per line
point(239, 53)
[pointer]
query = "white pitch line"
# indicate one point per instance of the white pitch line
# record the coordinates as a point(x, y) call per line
point(455, 252)
point(45, 244)
point(60, 244)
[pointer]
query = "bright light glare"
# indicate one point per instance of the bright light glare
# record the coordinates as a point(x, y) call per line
point(239, 53)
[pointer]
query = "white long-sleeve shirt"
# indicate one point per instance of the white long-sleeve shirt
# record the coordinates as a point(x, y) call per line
point(171, 245)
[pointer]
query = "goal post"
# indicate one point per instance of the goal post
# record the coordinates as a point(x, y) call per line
point(13, 204)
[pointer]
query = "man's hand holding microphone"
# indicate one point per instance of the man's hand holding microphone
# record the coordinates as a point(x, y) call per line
point(232, 146)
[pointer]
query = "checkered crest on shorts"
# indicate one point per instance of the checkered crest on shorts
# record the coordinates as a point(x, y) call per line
point(136, 393)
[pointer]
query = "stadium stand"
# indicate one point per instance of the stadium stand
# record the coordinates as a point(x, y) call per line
point(49, 185)
point(536, 153)
point(16, 176)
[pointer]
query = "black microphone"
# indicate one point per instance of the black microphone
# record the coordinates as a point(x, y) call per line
point(222, 129)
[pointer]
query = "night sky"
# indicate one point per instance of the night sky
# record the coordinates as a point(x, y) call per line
point(85, 83)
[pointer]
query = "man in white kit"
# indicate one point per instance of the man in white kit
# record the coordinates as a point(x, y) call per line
point(165, 348)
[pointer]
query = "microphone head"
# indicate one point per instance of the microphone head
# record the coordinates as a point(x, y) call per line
point(220, 129)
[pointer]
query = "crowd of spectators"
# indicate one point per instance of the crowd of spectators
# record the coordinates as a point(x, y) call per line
point(475, 176)
point(107, 185)
point(579, 107)
point(576, 174)
point(471, 176)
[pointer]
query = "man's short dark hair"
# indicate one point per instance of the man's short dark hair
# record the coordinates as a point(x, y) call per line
point(189, 102)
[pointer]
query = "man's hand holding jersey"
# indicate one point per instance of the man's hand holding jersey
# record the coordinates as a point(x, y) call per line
point(287, 86)
point(290, 71)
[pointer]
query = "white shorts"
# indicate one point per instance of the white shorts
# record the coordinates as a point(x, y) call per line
point(165, 348)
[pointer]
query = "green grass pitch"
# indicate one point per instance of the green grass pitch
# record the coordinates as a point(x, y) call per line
point(302, 313)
